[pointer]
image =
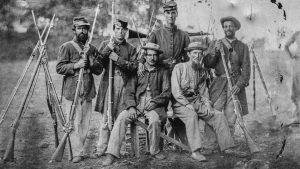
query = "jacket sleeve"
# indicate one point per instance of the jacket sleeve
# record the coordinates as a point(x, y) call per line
point(243, 80)
point(211, 57)
point(131, 65)
point(104, 52)
point(130, 90)
point(175, 86)
point(95, 64)
point(163, 98)
point(64, 66)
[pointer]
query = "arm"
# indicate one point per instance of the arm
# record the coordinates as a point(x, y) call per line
point(175, 86)
point(129, 94)
point(243, 80)
point(289, 43)
point(95, 65)
point(64, 65)
point(131, 65)
point(163, 98)
point(212, 56)
point(104, 52)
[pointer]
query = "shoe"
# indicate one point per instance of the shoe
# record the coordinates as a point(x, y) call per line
point(199, 157)
point(236, 152)
point(160, 156)
point(206, 151)
point(96, 155)
point(109, 159)
point(77, 159)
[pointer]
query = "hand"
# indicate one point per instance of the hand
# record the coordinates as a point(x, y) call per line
point(86, 48)
point(132, 113)
point(218, 45)
point(111, 44)
point(113, 56)
point(235, 90)
point(191, 107)
point(210, 110)
point(150, 106)
point(82, 63)
point(141, 70)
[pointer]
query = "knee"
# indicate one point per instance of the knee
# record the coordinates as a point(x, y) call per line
point(123, 116)
point(153, 118)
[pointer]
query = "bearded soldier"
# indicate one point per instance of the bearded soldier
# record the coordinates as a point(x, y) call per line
point(191, 103)
point(237, 53)
point(123, 55)
point(70, 61)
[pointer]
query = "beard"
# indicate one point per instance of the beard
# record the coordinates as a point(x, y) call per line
point(229, 34)
point(197, 66)
point(82, 37)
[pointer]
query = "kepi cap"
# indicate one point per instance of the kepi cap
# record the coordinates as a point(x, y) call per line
point(80, 21)
point(170, 6)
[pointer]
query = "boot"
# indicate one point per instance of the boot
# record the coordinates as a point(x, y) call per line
point(159, 156)
point(235, 152)
point(198, 156)
point(109, 159)
point(77, 159)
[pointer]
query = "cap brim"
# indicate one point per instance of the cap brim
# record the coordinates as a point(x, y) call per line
point(194, 48)
point(157, 50)
point(235, 21)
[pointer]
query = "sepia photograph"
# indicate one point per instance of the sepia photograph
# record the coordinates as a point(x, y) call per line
point(149, 84)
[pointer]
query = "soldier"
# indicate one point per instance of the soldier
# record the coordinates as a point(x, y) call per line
point(70, 61)
point(123, 55)
point(147, 95)
point(172, 41)
point(192, 103)
point(296, 73)
point(237, 54)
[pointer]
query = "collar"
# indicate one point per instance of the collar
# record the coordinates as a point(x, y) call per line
point(171, 28)
point(119, 42)
point(152, 70)
point(231, 40)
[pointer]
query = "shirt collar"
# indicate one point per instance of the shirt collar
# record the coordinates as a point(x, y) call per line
point(119, 42)
point(231, 40)
point(171, 28)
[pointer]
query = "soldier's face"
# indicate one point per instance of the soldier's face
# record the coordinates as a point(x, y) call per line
point(195, 56)
point(151, 57)
point(81, 33)
point(170, 16)
point(229, 29)
point(120, 32)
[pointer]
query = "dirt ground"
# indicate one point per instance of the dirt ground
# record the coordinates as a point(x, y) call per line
point(35, 136)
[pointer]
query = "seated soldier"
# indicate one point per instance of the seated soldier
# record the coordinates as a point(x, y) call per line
point(191, 103)
point(147, 95)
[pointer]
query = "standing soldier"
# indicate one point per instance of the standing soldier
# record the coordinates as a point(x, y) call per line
point(296, 72)
point(70, 61)
point(123, 55)
point(237, 53)
point(147, 95)
point(172, 41)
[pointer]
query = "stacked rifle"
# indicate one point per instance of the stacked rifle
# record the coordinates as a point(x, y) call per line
point(52, 98)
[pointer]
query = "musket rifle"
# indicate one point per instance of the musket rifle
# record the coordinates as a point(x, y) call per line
point(109, 117)
point(238, 109)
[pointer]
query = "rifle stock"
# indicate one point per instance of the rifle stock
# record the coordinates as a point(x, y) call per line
point(238, 109)
point(58, 153)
